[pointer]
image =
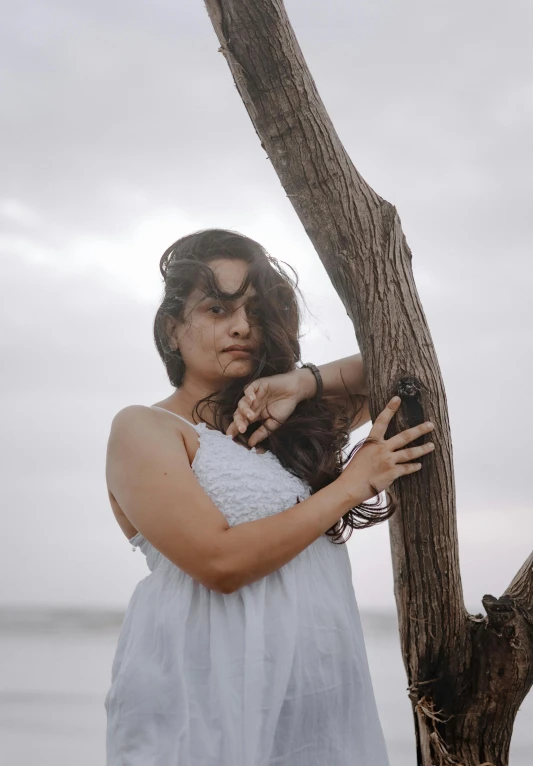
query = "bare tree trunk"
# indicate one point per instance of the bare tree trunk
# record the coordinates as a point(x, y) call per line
point(467, 674)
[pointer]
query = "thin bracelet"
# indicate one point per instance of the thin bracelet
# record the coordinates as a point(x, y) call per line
point(318, 377)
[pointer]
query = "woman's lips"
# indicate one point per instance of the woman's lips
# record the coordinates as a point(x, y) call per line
point(238, 353)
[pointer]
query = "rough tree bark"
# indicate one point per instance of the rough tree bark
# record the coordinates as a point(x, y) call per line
point(467, 674)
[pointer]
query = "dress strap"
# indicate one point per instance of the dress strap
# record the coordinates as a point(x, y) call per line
point(194, 425)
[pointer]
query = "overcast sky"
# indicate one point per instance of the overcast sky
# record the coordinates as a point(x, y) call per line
point(122, 130)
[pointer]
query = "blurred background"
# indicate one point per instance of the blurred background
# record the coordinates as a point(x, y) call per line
point(122, 130)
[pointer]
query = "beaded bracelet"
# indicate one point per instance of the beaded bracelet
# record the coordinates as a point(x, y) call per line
point(318, 377)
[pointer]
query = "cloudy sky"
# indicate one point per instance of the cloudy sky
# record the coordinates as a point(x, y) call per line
point(122, 130)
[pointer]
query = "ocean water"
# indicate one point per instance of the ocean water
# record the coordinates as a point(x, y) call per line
point(55, 669)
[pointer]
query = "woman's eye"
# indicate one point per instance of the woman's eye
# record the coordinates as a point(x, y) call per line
point(216, 307)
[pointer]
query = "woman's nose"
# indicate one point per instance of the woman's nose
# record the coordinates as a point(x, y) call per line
point(241, 321)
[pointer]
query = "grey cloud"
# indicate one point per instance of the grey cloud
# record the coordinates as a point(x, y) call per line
point(113, 114)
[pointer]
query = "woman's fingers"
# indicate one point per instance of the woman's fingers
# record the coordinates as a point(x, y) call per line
point(245, 412)
point(248, 409)
point(382, 421)
point(236, 425)
point(257, 436)
point(262, 432)
point(412, 452)
point(255, 390)
point(251, 390)
point(399, 440)
point(243, 415)
point(239, 424)
point(245, 407)
point(403, 438)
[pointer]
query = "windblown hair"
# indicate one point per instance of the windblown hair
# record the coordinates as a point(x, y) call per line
point(311, 443)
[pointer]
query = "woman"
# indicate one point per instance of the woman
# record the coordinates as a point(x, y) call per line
point(243, 646)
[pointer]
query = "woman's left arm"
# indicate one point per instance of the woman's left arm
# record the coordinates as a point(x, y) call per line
point(273, 398)
point(348, 369)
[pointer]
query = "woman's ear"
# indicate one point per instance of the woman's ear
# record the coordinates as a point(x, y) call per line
point(170, 325)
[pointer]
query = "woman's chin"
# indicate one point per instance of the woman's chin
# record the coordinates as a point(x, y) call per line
point(237, 367)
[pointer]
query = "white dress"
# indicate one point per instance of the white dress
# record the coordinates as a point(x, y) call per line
point(274, 674)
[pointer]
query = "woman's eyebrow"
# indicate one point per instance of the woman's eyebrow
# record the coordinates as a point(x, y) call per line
point(211, 296)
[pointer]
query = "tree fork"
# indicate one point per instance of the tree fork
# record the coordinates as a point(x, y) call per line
point(467, 674)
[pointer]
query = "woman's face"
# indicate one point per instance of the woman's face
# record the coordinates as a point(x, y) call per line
point(210, 326)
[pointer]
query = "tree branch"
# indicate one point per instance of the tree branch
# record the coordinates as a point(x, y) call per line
point(520, 591)
point(359, 239)
point(467, 674)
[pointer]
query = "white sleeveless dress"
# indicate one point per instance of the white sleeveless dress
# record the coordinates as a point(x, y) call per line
point(274, 674)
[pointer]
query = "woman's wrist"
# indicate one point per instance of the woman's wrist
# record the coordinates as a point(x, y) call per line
point(304, 382)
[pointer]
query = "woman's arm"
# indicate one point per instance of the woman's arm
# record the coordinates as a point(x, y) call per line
point(254, 549)
point(353, 374)
point(352, 371)
point(284, 391)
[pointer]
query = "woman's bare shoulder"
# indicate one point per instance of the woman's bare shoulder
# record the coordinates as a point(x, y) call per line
point(133, 417)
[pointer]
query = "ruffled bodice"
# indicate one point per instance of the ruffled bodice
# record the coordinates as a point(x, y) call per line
point(243, 483)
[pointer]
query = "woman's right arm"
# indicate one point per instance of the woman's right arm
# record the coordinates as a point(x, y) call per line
point(149, 474)
point(257, 548)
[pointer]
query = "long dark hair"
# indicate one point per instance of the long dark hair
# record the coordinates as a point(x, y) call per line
point(310, 444)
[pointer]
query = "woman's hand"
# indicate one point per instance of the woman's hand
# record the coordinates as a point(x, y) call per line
point(278, 393)
point(379, 461)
